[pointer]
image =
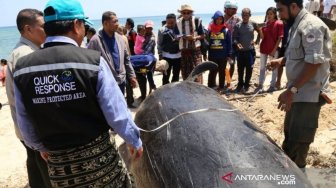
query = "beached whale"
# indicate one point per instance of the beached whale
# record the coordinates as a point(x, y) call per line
point(198, 139)
point(330, 23)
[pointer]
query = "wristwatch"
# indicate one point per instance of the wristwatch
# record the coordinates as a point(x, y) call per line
point(294, 89)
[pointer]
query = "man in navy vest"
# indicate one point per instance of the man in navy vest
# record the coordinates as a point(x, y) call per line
point(67, 100)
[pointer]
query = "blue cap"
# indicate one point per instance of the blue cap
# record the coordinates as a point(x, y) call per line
point(60, 10)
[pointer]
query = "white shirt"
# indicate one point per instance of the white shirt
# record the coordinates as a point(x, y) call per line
point(22, 48)
point(327, 5)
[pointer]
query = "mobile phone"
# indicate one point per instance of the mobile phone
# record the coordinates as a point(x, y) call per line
point(179, 36)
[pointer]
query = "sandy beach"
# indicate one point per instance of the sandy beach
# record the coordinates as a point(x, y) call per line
point(261, 109)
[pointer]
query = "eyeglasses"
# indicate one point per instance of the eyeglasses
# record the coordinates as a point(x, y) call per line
point(114, 21)
point(185, 13)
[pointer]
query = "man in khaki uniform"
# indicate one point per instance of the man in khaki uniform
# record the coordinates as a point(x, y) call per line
point(30, 25)
point(307, 67)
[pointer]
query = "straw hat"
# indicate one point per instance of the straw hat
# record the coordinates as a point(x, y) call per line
point(186, 7)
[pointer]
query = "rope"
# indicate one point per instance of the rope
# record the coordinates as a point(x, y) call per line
point(186, 113)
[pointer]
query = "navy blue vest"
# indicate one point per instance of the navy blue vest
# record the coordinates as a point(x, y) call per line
point(58, 86)
point(169, 42)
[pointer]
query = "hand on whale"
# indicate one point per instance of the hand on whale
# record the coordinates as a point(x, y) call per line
point(137, 153)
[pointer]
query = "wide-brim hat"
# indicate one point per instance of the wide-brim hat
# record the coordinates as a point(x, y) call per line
point(61, 10)
point(186, 7)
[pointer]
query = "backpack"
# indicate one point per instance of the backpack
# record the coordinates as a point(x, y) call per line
point(204, 41)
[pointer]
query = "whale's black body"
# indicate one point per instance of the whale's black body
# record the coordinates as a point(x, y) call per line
point(198, 149)
point(330, 23)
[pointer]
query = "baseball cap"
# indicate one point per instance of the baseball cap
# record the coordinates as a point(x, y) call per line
point(149, 23)
point(60, 10)
point(231, 4)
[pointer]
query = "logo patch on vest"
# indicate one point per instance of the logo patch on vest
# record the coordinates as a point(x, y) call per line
point(61, 87)
point(67, 76)
point(310, 38)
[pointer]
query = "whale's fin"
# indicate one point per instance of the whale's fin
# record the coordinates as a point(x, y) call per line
point(207, 65)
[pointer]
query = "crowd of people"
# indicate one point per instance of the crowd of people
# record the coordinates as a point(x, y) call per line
point(321, 8)
point(64, 99)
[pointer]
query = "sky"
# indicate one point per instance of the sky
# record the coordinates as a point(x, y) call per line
point(130, 8)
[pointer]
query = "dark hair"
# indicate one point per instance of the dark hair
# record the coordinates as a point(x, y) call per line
point(107, 16)
point(92, 30)
point(139, 27)
point(246, 10)
point(274, 10)
point(55, 28)
point(27, 17)
point(89, 29)
point(171, 16)
point(4, 61)
point(288, 2)
point(130, 22)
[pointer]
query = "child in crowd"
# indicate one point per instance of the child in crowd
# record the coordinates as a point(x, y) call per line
point(3, 71)
point(273, 32)
point(139, 40)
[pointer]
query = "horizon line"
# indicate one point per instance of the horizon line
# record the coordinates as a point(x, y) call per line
point(95, 19)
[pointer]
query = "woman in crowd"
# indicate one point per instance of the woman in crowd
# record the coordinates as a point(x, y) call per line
point(149, 49)
point(219, 49)
point(273, 32)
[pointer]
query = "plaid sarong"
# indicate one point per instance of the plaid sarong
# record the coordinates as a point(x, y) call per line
point(96, 164)
point(190, 59)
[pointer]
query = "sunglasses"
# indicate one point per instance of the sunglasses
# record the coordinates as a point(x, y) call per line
point(185, 13)
point(114, 21)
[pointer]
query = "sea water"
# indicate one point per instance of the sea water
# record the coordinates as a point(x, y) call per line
point(9, 36)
